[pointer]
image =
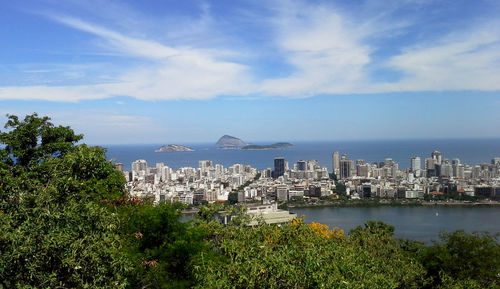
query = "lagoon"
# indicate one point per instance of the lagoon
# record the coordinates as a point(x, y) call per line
point(417, 223)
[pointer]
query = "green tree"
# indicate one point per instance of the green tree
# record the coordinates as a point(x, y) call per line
point(57, 227)
point(232, 198)
point(159, 245)
point(34, 139)
point(464, 257)
point(298, 255)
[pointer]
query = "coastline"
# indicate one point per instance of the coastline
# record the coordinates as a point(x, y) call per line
point(371, 203)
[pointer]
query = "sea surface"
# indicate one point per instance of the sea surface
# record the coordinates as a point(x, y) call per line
point(417, 223)
point(470, 151)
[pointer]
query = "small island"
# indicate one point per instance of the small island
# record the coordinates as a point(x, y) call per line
point(275, 146)
point(173, 148)
point(230, 142)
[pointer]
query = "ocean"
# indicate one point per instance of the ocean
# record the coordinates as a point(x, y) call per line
point(469, 151)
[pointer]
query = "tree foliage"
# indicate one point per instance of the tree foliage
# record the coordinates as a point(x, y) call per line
point(159, 245)
point(66, 222)
point(34, 139)
point(461, 257)
point(297, 255)
point(56, 229)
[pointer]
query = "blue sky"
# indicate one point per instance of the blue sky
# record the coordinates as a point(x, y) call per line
point(278, 70)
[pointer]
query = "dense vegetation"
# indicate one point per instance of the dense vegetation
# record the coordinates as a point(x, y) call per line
point(66, 222)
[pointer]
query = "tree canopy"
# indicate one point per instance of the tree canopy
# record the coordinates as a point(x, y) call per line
point(67, 222)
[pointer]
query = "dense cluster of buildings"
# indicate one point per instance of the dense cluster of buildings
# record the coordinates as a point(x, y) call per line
point(214, 183)
point(307, 179)
point(436, 176)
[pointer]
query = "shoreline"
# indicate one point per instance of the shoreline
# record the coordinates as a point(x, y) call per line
point(394, 204)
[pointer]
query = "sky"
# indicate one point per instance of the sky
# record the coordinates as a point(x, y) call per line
point(130, 72)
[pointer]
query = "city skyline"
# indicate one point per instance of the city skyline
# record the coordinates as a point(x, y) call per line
point(190, 72)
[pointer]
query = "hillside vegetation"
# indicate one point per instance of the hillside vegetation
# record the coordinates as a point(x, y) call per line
point(66, 222)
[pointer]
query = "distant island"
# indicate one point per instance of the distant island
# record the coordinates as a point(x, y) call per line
point(275, 146)
point(231, 142)
point(173, 148)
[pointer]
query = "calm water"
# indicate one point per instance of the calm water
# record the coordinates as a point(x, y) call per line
point(418, 223)
point(470, 151)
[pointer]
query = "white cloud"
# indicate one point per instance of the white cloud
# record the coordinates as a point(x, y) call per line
point(56, 93)
point(174, 73)
point(326, 51)
point(187, 76)
point(128, 45)
point(329, 52)
point(101, 126)
point(464, 61)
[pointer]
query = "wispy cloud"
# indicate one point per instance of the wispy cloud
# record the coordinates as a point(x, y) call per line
point(173, 73)
point(97, 125)
point(117, 41)
point(325, 50)
point(322, 49)
point(56, 93)
point(461, 61)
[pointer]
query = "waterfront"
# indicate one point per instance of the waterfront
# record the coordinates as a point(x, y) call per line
point(417, 223)
point(470, 151)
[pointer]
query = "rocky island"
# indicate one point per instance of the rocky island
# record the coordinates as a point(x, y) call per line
point(173, 148)
point(231, 142)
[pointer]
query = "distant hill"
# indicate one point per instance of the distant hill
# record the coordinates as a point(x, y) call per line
point(275, 146)
point(173, 148)
point(228, 141)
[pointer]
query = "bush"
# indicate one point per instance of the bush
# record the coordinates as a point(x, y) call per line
point(465, 258)
point(297, 255)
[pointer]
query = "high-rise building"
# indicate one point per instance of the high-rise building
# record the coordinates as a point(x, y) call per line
point(415, 164)
point(363, 170)
point(119, 167)
point(346, 167)
point(461, 172)
point(359, 163)
point(139, 165)
point(301, 165)
point(335, 162)
point(495, 161)
point(446, 170)
point(279, 167)
point(429, 164)
point(437, 156)
point(430, 167)
point(204, 166)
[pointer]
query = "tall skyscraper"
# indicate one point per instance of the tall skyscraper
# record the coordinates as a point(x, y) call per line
point(335, 162)
point(430, 167)
point(139, 165)
point(415, 164)
point(437, 156)
point(204, 165)
point(446, 170)
point(279, 167)
point(346, 167)
point(363, 170)
point(429, 164)
point(301, 165)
